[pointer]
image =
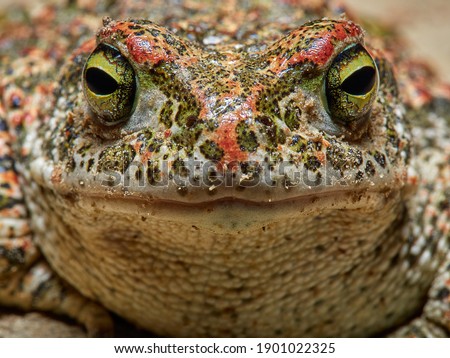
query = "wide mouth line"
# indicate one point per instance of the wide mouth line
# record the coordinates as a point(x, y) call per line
point(188, 202)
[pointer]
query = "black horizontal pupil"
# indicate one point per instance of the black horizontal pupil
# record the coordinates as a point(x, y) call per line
point(360, 82)
point(99, 82)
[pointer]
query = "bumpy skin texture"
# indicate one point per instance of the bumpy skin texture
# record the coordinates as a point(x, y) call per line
point(228, 200)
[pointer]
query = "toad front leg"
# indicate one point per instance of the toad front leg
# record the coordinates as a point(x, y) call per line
point(38, 288)
point(26, 280)
point(435, 318)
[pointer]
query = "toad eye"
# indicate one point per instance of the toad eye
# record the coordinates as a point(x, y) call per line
point(109, 85)
point(351, 84)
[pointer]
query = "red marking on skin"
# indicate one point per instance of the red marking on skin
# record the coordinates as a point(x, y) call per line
point(167, 133)
point(137, 147)
point(318, 53)
point(321, 157)
point(235, 90)
point(11, 178)
point(226, 137)
point(251, 100)
point(322, 48)
point(321, 44)
point(413, 180)
point(112, 28)
point(199, 93)
point(189, 60)
point(144, 50)
point(401, 144)
point(146, 156)
point(56, 177)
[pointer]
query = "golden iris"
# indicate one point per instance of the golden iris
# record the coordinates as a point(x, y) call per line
point(351, 84)
point(109, 85)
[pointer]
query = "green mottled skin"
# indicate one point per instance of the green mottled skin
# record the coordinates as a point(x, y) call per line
point(229, 200)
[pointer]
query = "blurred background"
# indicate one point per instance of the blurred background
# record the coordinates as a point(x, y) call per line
point(425, 25)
